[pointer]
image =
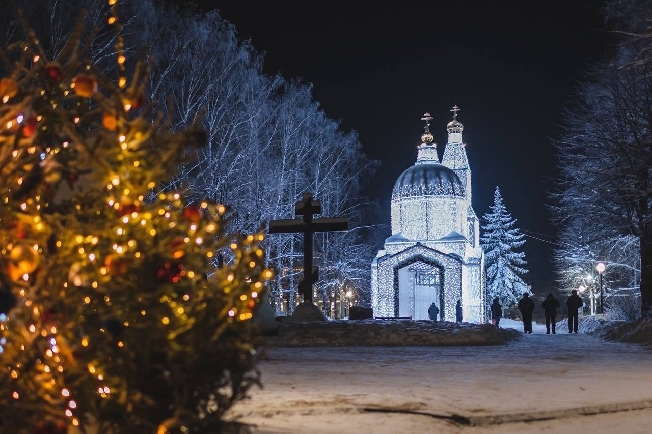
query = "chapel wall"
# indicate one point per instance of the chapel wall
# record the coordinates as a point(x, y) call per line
point(429, 218)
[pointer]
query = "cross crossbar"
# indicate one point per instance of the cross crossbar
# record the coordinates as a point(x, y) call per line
point(307, 226)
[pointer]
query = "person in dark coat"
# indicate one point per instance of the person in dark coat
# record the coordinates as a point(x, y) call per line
point(550, 305)
point(496, 312)
point(458, 311)
point(573, 303)
point(526, 306)
point(433, 311)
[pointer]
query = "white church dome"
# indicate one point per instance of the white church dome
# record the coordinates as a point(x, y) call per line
point(427, 179)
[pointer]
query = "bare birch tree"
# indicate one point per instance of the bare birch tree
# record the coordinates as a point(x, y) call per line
point(268, 140)
point(605, 157)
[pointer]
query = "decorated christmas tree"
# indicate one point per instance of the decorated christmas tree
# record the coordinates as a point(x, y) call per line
point(114, 314)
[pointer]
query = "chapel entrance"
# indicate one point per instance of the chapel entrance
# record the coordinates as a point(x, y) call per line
point(419, 287)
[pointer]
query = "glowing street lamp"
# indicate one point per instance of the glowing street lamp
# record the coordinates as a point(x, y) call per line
point(589, 282)
point(600, 269)
point(581, 291)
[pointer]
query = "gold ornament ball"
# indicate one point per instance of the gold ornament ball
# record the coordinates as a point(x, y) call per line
point(84, 85)
point(23, 260)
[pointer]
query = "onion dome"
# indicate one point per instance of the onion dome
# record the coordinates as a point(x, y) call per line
point(427, 179)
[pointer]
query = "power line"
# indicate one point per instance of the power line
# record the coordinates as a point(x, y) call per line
point(536, 235)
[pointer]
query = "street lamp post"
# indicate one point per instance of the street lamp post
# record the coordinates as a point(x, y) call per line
point(600, 269)
point(591, 285)
point(581, 290)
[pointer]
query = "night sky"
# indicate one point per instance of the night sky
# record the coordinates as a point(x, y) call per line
point(510, 66)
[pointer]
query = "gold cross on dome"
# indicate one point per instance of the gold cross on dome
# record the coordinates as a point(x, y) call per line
point(427, 118)
point(455, 109)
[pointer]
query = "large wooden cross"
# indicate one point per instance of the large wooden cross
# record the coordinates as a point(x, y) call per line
point(307, 208)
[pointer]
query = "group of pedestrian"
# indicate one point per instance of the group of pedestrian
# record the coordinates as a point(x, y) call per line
point(550, 305)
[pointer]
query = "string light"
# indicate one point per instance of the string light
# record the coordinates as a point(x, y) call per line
point(119, 44)
point(97, 251)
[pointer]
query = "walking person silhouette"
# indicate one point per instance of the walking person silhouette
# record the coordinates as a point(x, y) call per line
point(496, 312)
point(550, 305)
point(526, 306)
point(573, 303)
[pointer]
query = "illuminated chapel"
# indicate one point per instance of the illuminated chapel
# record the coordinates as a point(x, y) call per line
point(434, 253)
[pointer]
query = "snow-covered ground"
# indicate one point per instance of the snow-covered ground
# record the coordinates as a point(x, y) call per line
point(528, 383)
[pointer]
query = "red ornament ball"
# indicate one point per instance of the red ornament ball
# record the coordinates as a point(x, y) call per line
point(53, 72)
point(30, 127)
point(48, 315)
point(116, 265)
point(128, 208)
point(170, 272)
point(19, 229)
point(192, 213)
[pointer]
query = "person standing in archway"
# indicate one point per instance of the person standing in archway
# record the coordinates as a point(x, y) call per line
point(458, 311)
point(526, 306)
point(550, 305)
point(433, 311)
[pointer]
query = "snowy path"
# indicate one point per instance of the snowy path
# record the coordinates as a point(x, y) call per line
point(415, 389)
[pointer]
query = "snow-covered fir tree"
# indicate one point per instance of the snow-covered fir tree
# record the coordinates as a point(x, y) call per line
point(500, 240)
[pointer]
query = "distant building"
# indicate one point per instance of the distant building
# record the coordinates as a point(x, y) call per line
point(434, 253)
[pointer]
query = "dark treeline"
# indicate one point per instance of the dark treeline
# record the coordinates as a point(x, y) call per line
point(604, 190)
point(268, 140)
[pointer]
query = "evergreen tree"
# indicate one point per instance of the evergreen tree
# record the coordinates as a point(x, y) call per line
point(113, 316)
point(500, 240)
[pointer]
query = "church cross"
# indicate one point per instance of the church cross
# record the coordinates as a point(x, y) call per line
point(427, 118)
point(455, 109)
point(307, 208)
